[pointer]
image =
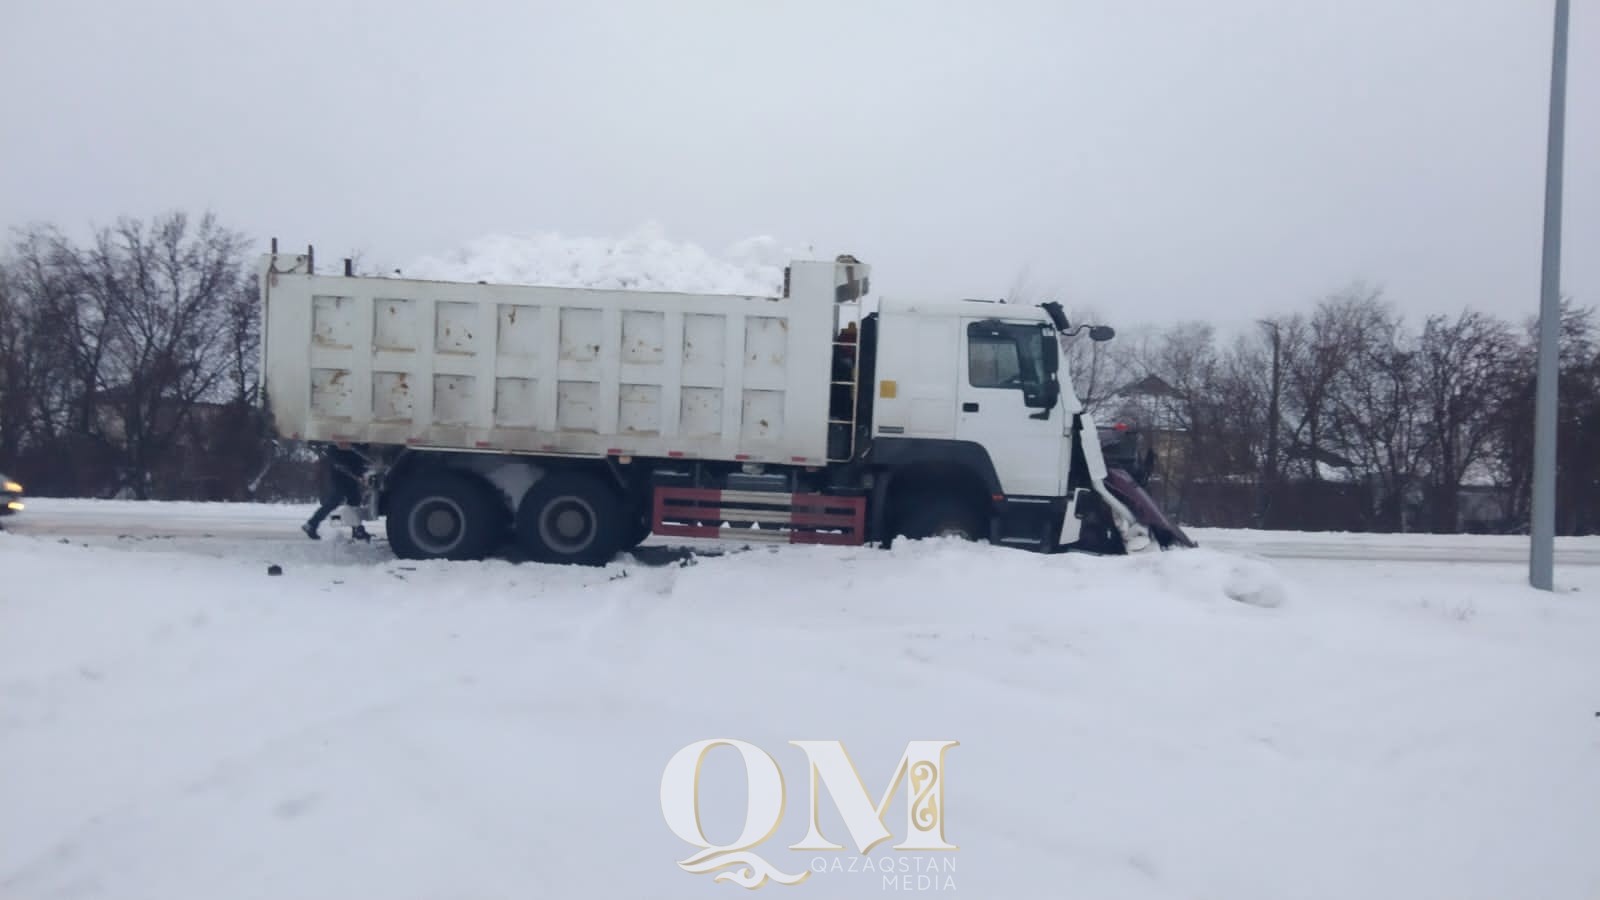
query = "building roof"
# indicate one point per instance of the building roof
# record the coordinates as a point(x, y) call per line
point(1148, 386)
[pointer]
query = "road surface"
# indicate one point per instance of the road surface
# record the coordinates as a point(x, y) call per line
point(218, 528)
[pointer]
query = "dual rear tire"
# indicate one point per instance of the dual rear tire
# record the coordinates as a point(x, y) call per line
point(565, 517)
point(572, 518)
point(445, 515)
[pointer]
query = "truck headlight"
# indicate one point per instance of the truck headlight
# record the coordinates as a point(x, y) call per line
point(11, 487)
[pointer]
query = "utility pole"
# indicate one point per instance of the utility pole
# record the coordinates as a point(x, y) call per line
point(1270, 474)
point(1541, 556)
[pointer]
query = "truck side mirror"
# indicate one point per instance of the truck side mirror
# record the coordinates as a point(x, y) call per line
point(1101, 333)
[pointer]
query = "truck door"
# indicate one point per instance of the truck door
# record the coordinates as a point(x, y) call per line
point(1009, 402)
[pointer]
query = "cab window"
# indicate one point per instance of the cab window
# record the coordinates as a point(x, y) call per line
point(1010, 356)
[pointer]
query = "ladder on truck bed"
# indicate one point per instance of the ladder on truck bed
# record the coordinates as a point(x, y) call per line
point(783, 513)
point(844, 385)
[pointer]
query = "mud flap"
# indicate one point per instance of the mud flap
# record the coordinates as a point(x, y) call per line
point(1145, 511)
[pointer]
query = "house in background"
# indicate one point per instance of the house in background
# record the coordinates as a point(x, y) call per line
point(1148, 411)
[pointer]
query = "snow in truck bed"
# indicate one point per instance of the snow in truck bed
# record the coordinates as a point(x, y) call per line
point(643, 260)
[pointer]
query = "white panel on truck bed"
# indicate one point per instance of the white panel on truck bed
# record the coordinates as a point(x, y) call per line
point(527, 369)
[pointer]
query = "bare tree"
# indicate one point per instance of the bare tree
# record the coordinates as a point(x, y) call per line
point(1377, 419)
point(1179, 372)
point(1251, 389)
point(1097, 369)
point(1317, 352)
point(62, 342)
point(17, 367)
point(1464, 368)
point(158, 296)
point(242, 340)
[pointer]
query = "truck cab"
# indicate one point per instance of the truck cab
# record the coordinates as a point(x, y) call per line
point(974, 417)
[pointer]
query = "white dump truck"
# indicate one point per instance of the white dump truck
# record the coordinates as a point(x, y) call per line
point(577, 422)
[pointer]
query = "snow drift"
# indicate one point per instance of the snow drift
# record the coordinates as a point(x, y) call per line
point(1173, 725)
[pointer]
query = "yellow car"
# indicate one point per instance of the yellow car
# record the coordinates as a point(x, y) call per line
point(10, 496)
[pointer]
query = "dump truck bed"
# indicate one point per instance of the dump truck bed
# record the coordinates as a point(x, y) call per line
point(512, 368)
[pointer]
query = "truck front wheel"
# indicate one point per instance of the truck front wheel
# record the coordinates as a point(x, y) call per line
point(444, 515)
point(571, 518)
point(941, 516)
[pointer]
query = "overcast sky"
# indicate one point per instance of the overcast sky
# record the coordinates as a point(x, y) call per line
point(1157, 159)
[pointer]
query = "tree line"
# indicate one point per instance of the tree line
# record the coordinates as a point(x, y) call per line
point(128, 363)
point(1347, 416)
point(129, 367)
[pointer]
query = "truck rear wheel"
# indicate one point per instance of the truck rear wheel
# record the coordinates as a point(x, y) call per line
point(571, 518)
point(637, 531)
point(444, 515)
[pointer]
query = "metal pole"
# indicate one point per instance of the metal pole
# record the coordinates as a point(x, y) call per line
point(1541, 557)
point(1269, 476)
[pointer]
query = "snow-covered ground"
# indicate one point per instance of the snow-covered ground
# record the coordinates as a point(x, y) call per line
point(174, 723)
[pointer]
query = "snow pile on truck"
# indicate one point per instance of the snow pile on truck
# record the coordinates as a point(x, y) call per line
point(575, 421)
point(643, 260)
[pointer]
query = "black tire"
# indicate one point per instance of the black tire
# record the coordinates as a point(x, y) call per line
point(637, 530)
point(572, 518)
point(445, 515)
point(941, 516)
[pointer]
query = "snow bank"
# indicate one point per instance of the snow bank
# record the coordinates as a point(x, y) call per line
point(1177, 725)
point(645, 260)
